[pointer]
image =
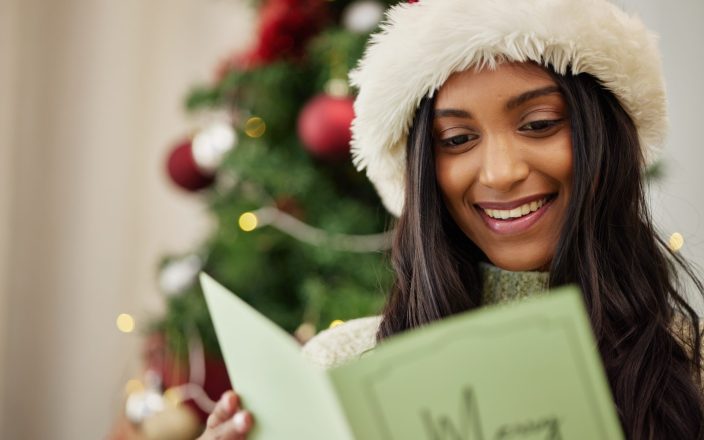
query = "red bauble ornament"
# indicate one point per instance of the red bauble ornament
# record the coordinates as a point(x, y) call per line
point(283, 32)
point(184, 171)
point(324, 126)
point(286, 26)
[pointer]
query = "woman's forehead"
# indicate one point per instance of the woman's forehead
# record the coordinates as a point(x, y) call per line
point(505, 80)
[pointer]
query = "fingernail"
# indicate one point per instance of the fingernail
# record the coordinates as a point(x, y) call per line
point(225, 400)
point(240, 421)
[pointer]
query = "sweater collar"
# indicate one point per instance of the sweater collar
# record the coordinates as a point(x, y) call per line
point(502, 286)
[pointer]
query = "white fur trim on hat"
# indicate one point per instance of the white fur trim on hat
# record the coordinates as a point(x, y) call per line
point(420, 45)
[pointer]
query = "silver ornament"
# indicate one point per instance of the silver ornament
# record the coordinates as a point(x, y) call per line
point(143, 404)
point(178, 275)
point(362, 16)
point(211, 144)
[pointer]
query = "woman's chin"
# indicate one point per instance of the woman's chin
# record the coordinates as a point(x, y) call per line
point(521, 263)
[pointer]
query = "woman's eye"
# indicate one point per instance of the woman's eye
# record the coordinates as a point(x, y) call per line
point(458, 140)
point(541, 126)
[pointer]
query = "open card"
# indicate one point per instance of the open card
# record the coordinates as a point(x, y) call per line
point(528, 370)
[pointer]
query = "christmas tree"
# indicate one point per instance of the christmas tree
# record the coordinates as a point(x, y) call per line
point(300, 234)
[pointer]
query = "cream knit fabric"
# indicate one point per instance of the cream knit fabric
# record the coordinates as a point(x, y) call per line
point(343, 343)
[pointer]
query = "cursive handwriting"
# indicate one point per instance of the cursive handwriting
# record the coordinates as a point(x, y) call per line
point(468, 426)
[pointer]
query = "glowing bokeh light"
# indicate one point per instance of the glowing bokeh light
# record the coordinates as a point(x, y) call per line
point(133, 386)
point(173, 396)
point(255, 127)
point(336, 322)
point(248, 222)
point(676, 242)
point(125, 323)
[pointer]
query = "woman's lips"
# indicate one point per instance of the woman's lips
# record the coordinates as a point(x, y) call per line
point(512, 224)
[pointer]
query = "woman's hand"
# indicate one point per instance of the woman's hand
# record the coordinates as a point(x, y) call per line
point(228, 421)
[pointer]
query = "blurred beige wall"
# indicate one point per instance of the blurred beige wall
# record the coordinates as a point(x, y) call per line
point(90, 103)
point(8, 94)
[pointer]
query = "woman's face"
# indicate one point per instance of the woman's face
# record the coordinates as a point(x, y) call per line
point(503, 158)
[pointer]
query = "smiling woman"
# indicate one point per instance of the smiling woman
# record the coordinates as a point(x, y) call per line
point(512, 145)
point(573, 161)
point(503, 161)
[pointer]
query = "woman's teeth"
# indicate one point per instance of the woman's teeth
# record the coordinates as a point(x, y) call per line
point(520, 211)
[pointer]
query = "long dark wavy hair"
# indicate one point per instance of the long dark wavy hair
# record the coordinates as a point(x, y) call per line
point(609, 248)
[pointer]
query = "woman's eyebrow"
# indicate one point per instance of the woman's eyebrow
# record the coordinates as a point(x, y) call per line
point(531, 94)
point(451, 113)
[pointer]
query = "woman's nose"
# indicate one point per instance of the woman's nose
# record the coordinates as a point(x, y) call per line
point(502, 165)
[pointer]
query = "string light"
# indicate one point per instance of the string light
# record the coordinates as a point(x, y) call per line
point(284, 222)
point(145, 401)
point(305, 332)
point(676, 242)
point(248, 221)
point(337, 87)
point(336, 322)
point(196, 367)
point(255, 127)
point(125, 323)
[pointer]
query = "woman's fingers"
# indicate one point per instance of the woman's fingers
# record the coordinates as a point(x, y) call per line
point(226, 407)
point(242, 421)
point(236, 428)
point(228, 421)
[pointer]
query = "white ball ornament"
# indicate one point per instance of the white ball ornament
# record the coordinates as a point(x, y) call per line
point(180, 274)
point(211, 145)
point(362, 16)
point(142, 405)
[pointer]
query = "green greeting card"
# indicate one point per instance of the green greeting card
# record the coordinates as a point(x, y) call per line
point(528, 370)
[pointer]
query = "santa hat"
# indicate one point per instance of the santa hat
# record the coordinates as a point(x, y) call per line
point(420, 45)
